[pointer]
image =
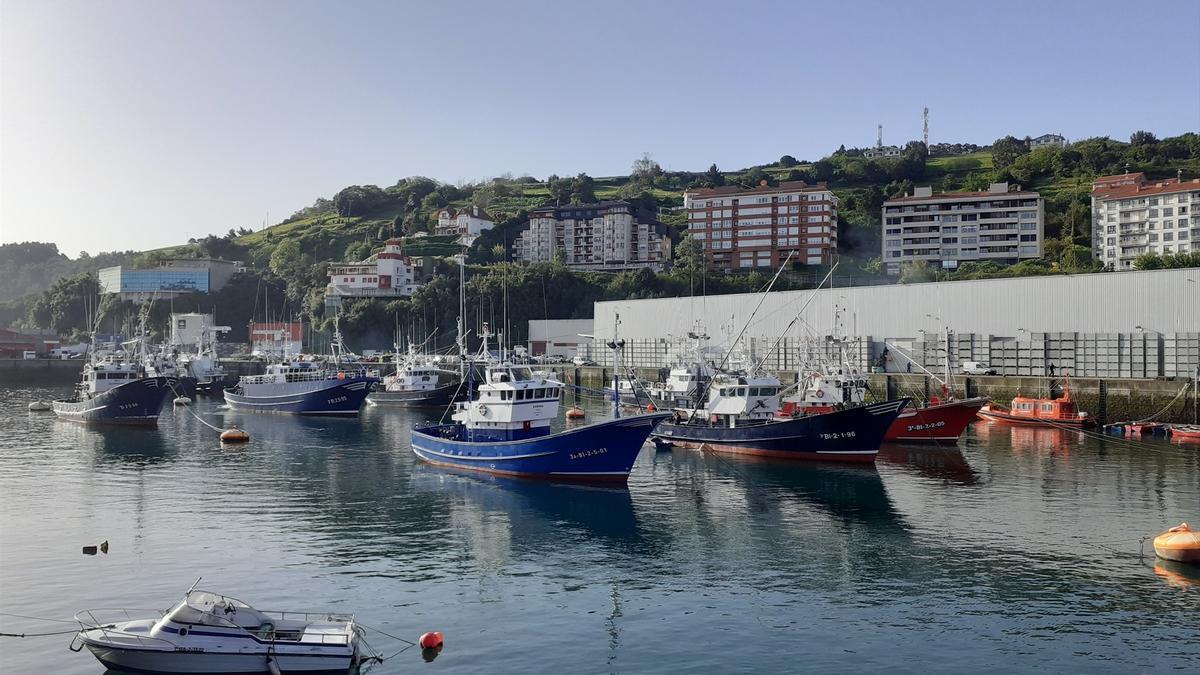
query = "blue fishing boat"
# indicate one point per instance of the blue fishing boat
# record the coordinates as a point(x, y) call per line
point(504, 428)
point(337, 386)
point(116, 391)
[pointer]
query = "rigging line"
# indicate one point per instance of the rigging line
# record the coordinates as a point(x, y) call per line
point(29, 635)
point(37, 618)
point(1168, 406)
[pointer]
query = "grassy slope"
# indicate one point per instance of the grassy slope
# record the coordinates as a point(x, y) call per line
point(326, 236)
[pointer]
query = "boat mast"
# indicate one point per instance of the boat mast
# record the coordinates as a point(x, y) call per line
point(462, 304)
point(618, 347)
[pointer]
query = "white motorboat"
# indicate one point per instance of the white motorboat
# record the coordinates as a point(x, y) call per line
point(211, 633)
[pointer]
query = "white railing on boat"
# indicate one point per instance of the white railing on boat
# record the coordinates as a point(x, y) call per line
point(89, 621)
point(314, 376)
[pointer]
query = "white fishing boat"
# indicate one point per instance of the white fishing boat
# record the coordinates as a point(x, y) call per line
point(212, 633)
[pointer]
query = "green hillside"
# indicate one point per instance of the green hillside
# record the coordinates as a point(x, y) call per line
point(290, 258)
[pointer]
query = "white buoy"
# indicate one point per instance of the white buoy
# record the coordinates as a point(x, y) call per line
point(40, 406)
point(183, 400)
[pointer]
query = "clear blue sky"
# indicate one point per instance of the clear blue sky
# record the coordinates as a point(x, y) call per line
point(140, 124)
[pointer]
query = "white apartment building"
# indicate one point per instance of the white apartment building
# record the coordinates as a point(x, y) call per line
point(948, 229)
point(1132, 216)
point(387, 274)
point(607, 236)
point(468, 223)
point(743, 228)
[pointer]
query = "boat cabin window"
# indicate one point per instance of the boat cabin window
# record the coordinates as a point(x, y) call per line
point(1047, 407)
point(522, 374)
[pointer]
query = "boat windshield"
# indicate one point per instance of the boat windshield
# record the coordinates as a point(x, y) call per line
point(522, 374)
point(204, 607)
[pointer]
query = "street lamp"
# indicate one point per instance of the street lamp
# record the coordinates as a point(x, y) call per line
point(1019, 330)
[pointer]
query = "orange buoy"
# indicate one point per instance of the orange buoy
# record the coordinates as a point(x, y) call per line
point(235, 435)
point(650, 407)
point(575, 413)
point(430, 640)
point(1179, 543)
point(341, 375)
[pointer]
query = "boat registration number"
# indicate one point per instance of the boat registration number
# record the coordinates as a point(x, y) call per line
point(192, 650)
point(923, 427)
point(582, 454)
point(336, 399)
point(838, 434)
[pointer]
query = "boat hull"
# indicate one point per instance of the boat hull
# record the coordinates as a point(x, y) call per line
point(415, 399)
point(940, 423)
point(604, 451)
point(136, 403)
point(993, 414)
point(124, 659)
point(335, 397)
point(851, 435)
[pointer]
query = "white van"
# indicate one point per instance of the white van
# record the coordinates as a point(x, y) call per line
point(977, 368)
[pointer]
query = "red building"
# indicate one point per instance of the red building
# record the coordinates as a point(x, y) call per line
point(744, 228)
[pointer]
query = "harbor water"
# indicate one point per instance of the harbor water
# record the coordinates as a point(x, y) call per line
point(1017, 550)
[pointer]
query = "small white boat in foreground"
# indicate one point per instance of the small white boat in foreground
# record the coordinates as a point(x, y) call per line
point(211, 633)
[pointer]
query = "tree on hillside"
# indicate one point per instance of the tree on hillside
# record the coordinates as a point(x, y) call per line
point(358, 199)
point(713, 176)
point(645, 169)
point(1006, 150)
point(689, 257)
point(787, 161)
point(1142, 138)
point(756, 177)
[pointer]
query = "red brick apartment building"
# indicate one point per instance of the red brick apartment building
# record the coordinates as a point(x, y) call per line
point(745, 228)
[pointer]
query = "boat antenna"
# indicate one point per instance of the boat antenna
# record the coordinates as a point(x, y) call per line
point(193, 586)
point(729, 351)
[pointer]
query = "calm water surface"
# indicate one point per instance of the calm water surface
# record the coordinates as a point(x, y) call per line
point(1016, 550)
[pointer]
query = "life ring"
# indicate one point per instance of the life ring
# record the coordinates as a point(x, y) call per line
point(820, 393)
point(482, 408)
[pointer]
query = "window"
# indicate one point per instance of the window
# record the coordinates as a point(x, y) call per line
point(1183, 235)
point(1168, 236)
point(1029, 237)
point(1168, 212)
point(1112, 229)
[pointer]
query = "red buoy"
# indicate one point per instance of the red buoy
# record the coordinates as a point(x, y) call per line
point(650, 407)
point(430, 640)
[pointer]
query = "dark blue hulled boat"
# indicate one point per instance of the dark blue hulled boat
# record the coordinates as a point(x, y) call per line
point(302, 388)
point(116, 391)
point(506, 430)
point(739, 417)
point(334, 387)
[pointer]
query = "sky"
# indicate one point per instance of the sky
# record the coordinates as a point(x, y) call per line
point(138, 124)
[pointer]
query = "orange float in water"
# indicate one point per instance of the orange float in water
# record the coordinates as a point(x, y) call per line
point(235, 435)
point(1180, 544)
point(431, 640)
point(576, 413)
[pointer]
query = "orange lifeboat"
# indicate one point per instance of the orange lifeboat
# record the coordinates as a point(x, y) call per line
point(1179, 544)
point(1051, 412)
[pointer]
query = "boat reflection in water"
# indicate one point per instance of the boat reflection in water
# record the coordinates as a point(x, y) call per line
point(945, 463)
point(1027, 439)
point(539, 513)
point(1177, 574)
point(847, 492)
point(113, 444)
